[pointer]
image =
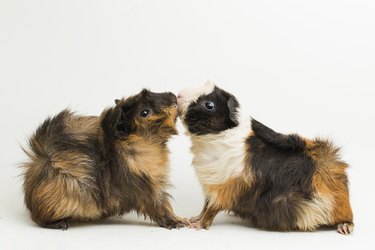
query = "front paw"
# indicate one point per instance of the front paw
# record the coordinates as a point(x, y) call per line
point(183, 221)
point(198, 225)
point(194, 219)
point(174, 223)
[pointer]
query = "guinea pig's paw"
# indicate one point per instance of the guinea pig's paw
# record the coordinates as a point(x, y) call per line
point(198, 225)
point(181, 222)
point(345, 228)
point(174, 223)
point(194, 219)
point(185, 221)
point(59, 224)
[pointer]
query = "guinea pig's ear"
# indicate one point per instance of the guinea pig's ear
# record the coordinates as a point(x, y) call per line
point(117, 101)
point(232, 106)
point(123, 125)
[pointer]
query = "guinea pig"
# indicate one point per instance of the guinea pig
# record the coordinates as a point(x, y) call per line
point(275, 181)
point(86, 168)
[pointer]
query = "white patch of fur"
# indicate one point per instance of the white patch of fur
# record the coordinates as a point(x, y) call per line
point(218, 157)
point(315, 212)
point(187, 96)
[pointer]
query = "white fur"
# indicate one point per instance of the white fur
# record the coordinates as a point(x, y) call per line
point(218, 157)
point(312, 214)
point(187, 96)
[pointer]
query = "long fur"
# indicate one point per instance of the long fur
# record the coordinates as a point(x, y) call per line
point(219, 156)
point(86, 168)
point(276, 181)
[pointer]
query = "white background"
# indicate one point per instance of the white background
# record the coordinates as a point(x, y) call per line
point(297, 66)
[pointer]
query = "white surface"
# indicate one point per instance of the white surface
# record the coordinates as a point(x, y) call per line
point(297, 66)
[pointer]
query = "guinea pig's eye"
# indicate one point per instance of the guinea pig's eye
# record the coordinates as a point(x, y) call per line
point(145, 113)
point(209, 106)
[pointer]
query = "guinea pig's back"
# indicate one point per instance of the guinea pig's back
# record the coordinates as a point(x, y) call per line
point(59, 175)
point(65, 132)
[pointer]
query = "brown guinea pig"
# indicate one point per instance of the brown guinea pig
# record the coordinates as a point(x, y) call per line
point(86, 168)
point(276, 181)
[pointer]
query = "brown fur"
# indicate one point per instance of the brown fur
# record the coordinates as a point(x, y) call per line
point(287, 182)
point(330, 179)
point(146, 157)
point(225, 195)
point(328, 206)
point(88, 168)
point(220, 197)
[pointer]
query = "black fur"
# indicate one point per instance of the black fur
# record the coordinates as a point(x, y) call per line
point(283, 178)
point(201, 121)
point(109, 179)
point(52, 137)
point(146, 100)
point(135, 190)
point(293, 142)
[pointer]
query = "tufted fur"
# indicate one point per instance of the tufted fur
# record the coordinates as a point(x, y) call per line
point(85, 168)
point(278, 182)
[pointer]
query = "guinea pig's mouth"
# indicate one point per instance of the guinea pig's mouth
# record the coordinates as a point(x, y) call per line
point(178, 111)
point(181, 110)
point(180, 104)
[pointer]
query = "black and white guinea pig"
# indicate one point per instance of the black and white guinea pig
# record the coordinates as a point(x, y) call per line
point(86, 168)
point(276, 181)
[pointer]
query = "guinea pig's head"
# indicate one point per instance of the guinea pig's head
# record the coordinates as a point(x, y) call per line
point(207, 109)
point(147, 114)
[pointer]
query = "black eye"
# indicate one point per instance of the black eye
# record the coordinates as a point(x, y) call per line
point(209, 106)
point(145, 113)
